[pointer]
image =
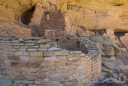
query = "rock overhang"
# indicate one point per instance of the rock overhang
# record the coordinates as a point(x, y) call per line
point(98, 15)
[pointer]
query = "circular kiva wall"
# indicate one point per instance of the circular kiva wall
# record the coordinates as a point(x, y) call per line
point(40, 61)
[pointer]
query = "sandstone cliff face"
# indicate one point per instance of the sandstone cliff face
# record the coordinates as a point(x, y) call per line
point(92, 14)
point(98, 14)
point(11, 11)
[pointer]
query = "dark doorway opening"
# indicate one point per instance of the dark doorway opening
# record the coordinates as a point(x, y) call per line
point(27, 15)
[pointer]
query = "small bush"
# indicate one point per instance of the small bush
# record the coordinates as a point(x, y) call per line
point(108, 74)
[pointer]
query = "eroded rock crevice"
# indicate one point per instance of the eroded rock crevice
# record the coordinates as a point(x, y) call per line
point(27, 15)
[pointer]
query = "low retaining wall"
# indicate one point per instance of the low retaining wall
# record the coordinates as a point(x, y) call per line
point(39, 61)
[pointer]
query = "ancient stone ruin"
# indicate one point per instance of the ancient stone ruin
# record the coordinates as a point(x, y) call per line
point(52, 51)
point(22, 32)
point(39, 61)
point(49, 47)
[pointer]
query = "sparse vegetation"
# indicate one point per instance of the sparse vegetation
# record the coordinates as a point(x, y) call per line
point(108, 74)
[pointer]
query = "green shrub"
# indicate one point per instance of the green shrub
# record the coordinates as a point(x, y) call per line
point(109, 74)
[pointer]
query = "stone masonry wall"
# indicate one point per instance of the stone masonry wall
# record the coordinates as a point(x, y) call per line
point(38, 61)
point(22, 32)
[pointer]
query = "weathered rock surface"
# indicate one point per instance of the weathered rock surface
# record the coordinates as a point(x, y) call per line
point(112, 64)
point(106, 45)
point(91, 14)
point(103, 75)
point(105, 69)
point(124, 40)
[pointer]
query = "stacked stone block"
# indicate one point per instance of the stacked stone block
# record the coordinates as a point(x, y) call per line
point(22, 32)
point(36, 61)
